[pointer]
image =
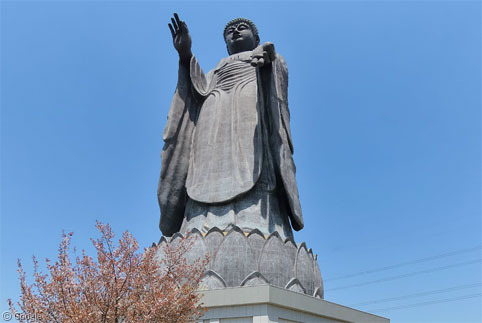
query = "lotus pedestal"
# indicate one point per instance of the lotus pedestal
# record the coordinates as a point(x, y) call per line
point(256, 278)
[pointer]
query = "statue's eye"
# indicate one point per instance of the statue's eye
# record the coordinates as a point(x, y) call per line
point(242, 27)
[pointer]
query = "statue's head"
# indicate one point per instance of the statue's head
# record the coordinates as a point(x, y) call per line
point(240, 35)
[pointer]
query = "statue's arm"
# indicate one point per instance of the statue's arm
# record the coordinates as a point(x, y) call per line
point(200, 82)
point(182, 43)
point(182, 96)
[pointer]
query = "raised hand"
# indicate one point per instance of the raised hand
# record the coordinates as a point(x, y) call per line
point(263, 54)
point(181, 38)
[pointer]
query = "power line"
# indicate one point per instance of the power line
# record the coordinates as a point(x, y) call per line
point(443, 255)
point(437, 291)
point(405, 275)
point(427, 303)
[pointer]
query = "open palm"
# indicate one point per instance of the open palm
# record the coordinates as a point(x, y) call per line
point(180, 37)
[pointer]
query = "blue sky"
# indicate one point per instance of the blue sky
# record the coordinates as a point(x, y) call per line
point(385, 102)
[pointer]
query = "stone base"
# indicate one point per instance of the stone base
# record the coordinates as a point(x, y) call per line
point(268, 304)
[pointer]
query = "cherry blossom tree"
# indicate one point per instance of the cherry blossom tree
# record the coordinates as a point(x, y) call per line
point(121, 285)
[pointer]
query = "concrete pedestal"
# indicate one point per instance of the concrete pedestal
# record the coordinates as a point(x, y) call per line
point(267, 304)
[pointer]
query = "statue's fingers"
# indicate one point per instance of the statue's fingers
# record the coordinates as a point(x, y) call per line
point(172, 31)
point(261, 62)
point(178, 21)
point(176, 27)
point(254, 62)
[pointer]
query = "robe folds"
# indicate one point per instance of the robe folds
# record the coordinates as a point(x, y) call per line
point(218, 125)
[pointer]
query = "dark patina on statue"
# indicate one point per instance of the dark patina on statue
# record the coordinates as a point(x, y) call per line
point(227, 158)
point(227, 175)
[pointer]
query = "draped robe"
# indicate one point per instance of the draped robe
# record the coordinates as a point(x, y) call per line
point(227, 140)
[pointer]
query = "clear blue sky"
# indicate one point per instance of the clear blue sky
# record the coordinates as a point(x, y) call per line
point(385, 100)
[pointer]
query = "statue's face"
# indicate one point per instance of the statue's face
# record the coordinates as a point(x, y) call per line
point(240, 38)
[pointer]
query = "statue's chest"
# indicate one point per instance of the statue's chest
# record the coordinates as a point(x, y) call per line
point(235, 74)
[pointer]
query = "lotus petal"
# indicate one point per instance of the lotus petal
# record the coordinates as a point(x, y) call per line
point(234, 260)
point(290, 247)
point(212, 280)
point(256, 241)
point(253, 279)
point(198, 249)
point(195, 230)
point(175, 238)
point(317, 280)
point(295, 285)
point(163, 240)
point(275, 263)
point(304, 268)
point(213, 239)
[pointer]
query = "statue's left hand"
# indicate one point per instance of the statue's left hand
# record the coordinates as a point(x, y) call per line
point(263, 54)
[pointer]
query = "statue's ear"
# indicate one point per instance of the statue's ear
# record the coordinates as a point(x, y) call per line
point(257, 41)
